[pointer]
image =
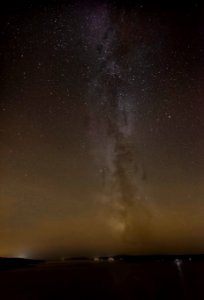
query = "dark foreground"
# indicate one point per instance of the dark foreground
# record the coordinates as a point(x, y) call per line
point(104, 280)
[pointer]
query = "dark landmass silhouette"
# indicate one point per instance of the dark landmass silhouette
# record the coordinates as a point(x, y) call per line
point(74, 258)
point(159, 258)
point(141, 258)
point(141, 277)
point(7, 263)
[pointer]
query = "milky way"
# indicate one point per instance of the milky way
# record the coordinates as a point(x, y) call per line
point(113, 110)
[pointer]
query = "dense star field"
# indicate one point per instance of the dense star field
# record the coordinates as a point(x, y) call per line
point(101, 128)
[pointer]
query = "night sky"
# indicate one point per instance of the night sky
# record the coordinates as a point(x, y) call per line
point(101, 128)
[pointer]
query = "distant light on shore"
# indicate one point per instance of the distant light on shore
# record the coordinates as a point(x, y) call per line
point(22, 255)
